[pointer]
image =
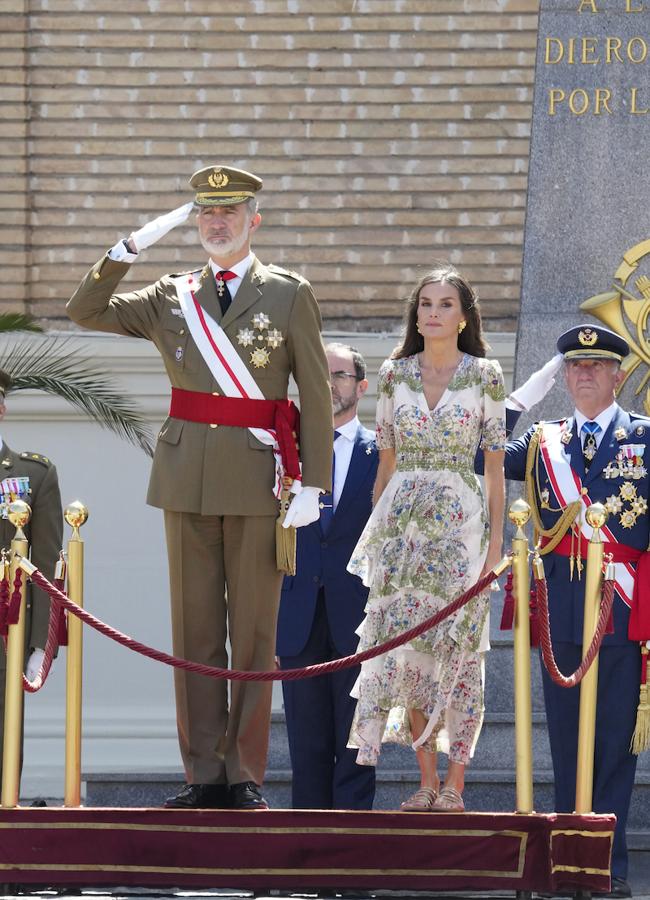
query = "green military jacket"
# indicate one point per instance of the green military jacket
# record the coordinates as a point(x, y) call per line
point(222, 470)
point(44, 533)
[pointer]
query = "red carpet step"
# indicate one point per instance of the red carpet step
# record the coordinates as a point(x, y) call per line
point(294, 850)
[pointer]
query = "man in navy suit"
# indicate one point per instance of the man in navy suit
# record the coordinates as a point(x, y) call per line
point(599, 454)
point(323, 604)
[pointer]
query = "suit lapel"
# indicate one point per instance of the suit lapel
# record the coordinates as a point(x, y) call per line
point(250, 291)
point(574, 450)
point(206, 295)
point(360, 464)
point(8, 459)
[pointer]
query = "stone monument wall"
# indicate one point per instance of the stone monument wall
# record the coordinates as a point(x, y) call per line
point(587, 233)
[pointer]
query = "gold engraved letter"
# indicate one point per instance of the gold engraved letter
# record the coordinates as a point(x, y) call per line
point(578, 102)
point(641, 54)
point(603, 96)
point(555, 96)
point(632, 9)
point(591, 4)
point(588, 49)
point(552, 42)
point(633, 105)
point(613, 49)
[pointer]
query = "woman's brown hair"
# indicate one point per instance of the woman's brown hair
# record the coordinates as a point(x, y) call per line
point(470, 340)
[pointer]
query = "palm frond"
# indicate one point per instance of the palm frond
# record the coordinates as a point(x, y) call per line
point(50, 365)
point(18, 322)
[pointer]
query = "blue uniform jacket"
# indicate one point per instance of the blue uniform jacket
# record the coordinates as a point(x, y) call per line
point(566, 596)
point(322, 561)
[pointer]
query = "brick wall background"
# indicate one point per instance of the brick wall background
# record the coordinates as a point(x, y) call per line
point(388, 132)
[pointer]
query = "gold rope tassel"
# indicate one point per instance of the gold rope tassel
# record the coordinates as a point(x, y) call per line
point(285, 538)
point(641, 736)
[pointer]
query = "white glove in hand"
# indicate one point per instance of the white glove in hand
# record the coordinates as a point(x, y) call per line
point(304, 508)
point(34, 663)
point(537, 386)
point(150, 233)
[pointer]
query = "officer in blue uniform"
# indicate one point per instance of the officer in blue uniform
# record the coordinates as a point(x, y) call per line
point(599, 454)
point(322, 605)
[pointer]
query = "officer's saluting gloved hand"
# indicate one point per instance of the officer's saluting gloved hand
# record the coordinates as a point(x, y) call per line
point(304, 508)
point(127, 250)
point(536, 387)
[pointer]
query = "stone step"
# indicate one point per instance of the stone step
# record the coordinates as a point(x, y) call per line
point(485, 790)
point(495, 746)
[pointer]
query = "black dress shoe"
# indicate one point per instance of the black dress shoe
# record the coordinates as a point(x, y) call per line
point(620, 888)
point(199, 796)
point(246, 795)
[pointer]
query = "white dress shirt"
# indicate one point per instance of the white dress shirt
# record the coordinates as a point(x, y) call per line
point(604, 418)
point(343, 447)
point(239, 269)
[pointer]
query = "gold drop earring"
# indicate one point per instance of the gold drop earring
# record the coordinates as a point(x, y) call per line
point(462, 325)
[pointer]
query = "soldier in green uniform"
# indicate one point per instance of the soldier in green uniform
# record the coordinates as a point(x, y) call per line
point(230, 335)
point(32, 478)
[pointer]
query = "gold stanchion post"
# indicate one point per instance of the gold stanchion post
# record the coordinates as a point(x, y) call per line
point(596, 516)
point(19, 514)
point(519, 513)
point(75, 515)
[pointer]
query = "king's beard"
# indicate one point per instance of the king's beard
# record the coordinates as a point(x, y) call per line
point(221, 249)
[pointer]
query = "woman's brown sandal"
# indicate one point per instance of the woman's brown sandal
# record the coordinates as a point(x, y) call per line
point(449, 800)
point(422, 801)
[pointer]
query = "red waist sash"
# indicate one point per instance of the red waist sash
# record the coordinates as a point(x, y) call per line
point(280, 415)
point(568, 546)
point(639, 627)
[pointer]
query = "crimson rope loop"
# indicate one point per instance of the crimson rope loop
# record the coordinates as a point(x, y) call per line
point(335, 665)
point(568, 681)
point(52, 641)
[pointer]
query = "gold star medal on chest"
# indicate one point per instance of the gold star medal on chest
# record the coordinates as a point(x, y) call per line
point(261, 338)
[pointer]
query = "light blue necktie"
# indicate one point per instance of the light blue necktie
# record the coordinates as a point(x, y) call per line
point(589, 446)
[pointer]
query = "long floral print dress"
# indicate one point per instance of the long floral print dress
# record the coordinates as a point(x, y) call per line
point(424, 545)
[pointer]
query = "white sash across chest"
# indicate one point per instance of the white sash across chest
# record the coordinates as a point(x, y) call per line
point(226, 365)
point(567, 487)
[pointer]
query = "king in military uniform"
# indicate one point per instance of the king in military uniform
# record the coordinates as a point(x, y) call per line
point(30, 477)
point(230, 335)
point(597, 455)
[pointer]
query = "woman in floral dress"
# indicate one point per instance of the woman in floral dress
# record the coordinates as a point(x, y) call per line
point(431, 535)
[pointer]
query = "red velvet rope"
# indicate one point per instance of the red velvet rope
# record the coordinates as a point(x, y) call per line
point(278, 675)
point(568, 681)
point(4, 605)
point(51, 644)
point(13, 612)
point(9, 615)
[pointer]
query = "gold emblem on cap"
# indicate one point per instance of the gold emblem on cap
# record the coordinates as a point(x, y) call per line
point(218, 179)
point(588, 337)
